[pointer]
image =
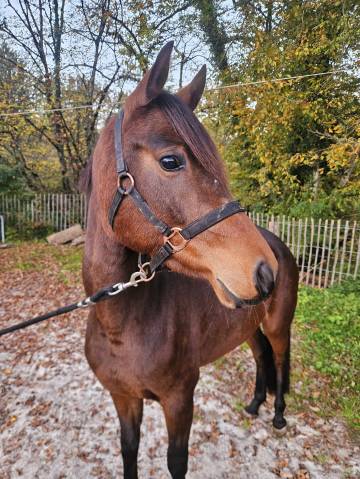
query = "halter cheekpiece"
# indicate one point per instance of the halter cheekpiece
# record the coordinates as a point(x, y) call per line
point(175, 239)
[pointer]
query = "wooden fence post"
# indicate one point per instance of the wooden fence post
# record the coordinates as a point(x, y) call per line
point(338, 231)
point(322, 254)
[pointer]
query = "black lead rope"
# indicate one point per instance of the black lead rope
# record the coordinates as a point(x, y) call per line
point(39, 319)
point(102, 294)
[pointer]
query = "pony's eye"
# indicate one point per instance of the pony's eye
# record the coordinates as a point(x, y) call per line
point(171, 163)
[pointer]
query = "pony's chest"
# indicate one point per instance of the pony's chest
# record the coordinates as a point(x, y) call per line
point(140, 359)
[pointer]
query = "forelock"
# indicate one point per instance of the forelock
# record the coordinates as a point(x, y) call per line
point(193, 134)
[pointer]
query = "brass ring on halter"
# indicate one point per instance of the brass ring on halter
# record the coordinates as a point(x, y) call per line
point(176, 232)
point(120, 182)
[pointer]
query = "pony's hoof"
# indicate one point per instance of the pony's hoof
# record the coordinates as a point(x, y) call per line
point(249, 415)
point(250, 412)
point(252, 409)
point(280, 432)
point(280, 424)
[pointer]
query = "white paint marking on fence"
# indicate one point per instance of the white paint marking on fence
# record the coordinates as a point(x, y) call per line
point(2, 229)
point(288, 237)
point(298, 240)
point(322, 255)
point(343, 251)
point(302, 270)
point(283, 228)
point(357, 260)
point(327, 271)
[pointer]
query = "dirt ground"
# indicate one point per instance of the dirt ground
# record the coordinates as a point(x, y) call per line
point(56, 421)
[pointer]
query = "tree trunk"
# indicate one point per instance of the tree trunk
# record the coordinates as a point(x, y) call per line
point(214, 32)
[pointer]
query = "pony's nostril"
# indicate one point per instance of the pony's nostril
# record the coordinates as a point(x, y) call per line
point(264, 279)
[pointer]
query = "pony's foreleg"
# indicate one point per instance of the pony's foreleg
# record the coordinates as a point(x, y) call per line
point(265, 370)
point(130, 412)
point(178, 409)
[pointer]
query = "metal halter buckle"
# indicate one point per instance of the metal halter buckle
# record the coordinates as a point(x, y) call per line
point(123, 176)
point(176, 247)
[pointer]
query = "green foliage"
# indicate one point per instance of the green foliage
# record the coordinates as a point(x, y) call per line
point(293, 147)
point(27, 231)
point(11, 180)
point(324, 206)
point(328, 322)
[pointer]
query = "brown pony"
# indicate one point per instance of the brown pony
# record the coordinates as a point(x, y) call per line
point(150, 341)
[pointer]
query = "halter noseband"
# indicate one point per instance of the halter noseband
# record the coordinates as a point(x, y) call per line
point(184, 235)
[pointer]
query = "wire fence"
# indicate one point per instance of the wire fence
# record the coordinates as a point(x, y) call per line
point(326, 251)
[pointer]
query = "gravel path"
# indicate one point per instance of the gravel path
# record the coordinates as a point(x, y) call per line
point(56, 421)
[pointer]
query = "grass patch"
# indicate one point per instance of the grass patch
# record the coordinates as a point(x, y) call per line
point(70, 258)
point(27, 231)
point(239, 406)
point(328, 323)
point(35, 255)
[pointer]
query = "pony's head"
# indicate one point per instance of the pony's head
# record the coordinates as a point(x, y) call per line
point(179, 173)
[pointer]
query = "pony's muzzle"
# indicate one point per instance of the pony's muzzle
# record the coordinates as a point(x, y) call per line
point(264, 281)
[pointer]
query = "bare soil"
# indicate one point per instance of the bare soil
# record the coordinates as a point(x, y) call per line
point(56, 421)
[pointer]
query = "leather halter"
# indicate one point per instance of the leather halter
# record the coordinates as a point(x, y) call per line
point(184, 235)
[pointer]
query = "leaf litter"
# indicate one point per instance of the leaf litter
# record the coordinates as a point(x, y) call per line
point(56, 420)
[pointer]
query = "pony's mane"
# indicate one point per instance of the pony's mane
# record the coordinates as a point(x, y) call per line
point(192, 132)
point(85, 182)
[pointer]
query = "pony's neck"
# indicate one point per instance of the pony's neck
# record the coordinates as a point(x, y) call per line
point(105, 260)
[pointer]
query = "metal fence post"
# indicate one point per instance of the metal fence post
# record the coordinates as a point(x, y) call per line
point(2, 229)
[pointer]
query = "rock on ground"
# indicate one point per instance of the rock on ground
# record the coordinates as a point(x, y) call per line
point(65, 236)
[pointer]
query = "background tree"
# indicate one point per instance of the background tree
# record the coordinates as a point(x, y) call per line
point(59, 39)
point(291, 146)
point(288, 144)
point(16, 150)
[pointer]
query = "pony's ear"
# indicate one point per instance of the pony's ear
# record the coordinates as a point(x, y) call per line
point(192, 92)
point(154, 79)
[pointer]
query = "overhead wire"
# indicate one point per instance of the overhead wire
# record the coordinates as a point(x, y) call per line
point(220, 87)
point(273, 80)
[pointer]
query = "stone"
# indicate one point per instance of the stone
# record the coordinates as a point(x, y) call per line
point(261, 435)
point(65, 236)
point(294, 464)
point(79, 240)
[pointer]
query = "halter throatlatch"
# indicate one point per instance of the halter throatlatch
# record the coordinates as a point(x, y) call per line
point(175, 239)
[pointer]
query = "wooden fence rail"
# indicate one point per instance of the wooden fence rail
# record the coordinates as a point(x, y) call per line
point(327, 251)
